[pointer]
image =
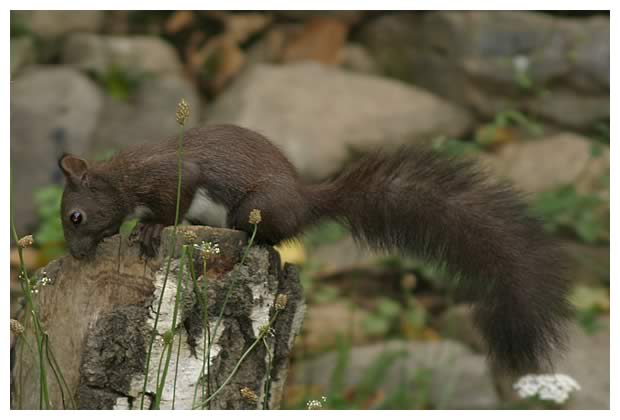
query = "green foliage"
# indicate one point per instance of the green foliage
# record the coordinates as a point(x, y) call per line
point(600, 132)
point(49, 235)
point(324, 294)
point(590, 303)
point(415, 316)
point(497, 132)
point(523, 80)
point(359, 395)
point(454, 147)
point(127, 227)
point(582, 214)
point(119, 83)
point(324, 234)
point(19, 27)
point(369, 391)
point(414, 394)
point(383, 319)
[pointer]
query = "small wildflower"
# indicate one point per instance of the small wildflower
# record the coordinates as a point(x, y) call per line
point(45, 280)
point(182, 112)
point(315, 404)
point(255, 217)
point(248, 394)
point(207, 248)
point(189, 235)
point(265, 330)
point(16, 327)
point(281, 301)
point(552, 387)
point(26, 241)
point(168, 337)
point(521, 63)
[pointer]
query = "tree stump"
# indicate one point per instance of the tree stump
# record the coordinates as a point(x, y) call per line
point(100, 314)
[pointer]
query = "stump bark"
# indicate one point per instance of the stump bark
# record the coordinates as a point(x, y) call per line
point(99, 316)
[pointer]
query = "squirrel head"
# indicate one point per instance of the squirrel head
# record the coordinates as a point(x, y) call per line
point(91, 207)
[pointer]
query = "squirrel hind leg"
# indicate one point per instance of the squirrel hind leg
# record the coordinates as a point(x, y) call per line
point(282, 215)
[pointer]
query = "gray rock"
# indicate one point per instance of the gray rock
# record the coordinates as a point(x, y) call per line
point(457, 323)
point(53, 110)
point(54, 23)
point(551, 162)
point(317, 114)
point(148, 116)
point(356, 57)
point(22, 54)
point(555, 67)
point(458, 378)
point(136, 54)
point(587, 361)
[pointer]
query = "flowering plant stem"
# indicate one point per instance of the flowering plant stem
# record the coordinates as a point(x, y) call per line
point(30, 308)
point(171, 253)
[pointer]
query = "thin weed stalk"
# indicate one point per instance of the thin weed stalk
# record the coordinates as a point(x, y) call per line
point(30, 308)
point(267, 389)
point(186, 254)
point(181, 116)
point(169, 336)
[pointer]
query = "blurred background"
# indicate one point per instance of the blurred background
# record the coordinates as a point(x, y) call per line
point(525, 93)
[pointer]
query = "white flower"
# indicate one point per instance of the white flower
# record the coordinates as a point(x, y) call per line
point(552, 387)
point(316, 404)
point(207, 248)
point(521, 63)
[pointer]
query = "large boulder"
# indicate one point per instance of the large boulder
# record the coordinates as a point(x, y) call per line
point(551, 162)
point(53, 110)
point(136, 54)
point(55, 23)
point(148, 116)
point(554, 67)
point(317, 114)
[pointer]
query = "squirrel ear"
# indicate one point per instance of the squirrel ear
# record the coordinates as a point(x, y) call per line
point(74, 168)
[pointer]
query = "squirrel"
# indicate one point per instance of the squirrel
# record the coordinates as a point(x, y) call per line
point(415, 201)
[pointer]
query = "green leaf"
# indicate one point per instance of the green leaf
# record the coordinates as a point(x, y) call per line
point(375, 374)
point(596, 150)
point(376, 325)
point(324, 234)
point(337, 380)
point(325, 294)
point(388, 308)
point(454, 147)
point(127, 227)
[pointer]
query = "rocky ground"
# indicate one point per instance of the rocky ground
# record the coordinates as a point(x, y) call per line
point(525, 93)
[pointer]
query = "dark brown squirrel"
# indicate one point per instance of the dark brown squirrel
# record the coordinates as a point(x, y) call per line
point(415, 201)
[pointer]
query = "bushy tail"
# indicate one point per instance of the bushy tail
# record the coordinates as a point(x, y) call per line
point(422, 203)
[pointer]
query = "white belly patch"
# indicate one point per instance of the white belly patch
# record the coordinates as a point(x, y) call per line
point(206, 211)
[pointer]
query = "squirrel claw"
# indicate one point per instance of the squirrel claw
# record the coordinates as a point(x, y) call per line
point(148, 235)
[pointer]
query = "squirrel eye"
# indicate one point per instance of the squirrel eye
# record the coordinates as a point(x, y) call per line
point(76, 217)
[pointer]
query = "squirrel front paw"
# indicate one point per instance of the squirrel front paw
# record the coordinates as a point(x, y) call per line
point(148, 236)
